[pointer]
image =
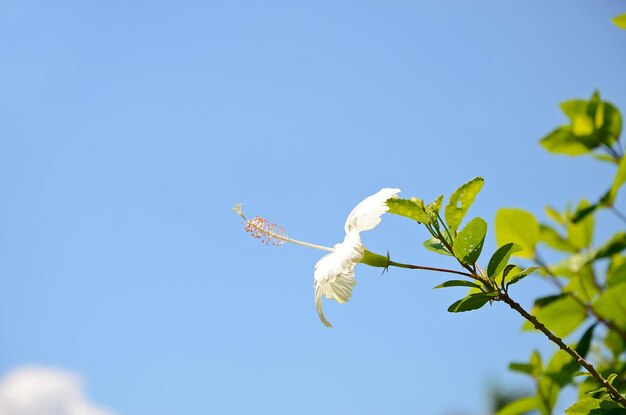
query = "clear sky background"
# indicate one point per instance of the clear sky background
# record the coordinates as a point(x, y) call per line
point(129, 129)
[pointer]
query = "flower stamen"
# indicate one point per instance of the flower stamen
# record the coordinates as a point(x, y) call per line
point(269, 233)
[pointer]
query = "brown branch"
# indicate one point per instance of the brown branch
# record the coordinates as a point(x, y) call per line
point(613, 393)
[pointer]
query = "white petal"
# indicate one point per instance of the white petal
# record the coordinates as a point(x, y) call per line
point(366, 215)
point(334, 273)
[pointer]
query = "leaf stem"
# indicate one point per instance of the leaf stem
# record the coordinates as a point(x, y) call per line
point(445, 226)
point(613, 153)
point(618, 213)
point(472, 273)
point(409, 266)
point(613, 393)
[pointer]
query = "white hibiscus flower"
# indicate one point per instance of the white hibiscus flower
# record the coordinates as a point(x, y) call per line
point(334, 273)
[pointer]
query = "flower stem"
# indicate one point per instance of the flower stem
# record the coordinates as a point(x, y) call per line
point(614, 393)
point(409, 266)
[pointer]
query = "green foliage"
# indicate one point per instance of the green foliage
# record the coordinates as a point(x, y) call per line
point(593, 123)
point(471, 302)
point(554, 239)
point(620, 21)
point(580, 233)
point(533, 368)
point(616, 272)
point(435, 206)
point(613, 246)
point(591, 406)
point(458, 283)
point(519, 227)
point(411, 208)
point(435, 245)
point(561, 313)
point(516, 277)
point(460, 202)
point(563, 372)
point(589, 281)
point(612, 304)
point(519, 407)
point(582, 293)
point(500, 259)
point(618, 181)
point(468, 244)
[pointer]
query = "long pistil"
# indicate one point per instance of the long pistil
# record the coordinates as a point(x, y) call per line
point(271, 234)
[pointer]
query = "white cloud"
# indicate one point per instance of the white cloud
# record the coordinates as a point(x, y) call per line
point(42, 391)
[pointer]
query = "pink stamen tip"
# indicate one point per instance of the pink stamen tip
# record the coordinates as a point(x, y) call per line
point(269, 233)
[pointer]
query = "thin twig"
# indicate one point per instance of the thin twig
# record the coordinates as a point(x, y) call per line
point(614, 393)
point(618, 213)
point(612, 152)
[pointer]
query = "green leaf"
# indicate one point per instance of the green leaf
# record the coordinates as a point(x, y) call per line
point(572, 266)
point(457, 283)
point(592, 123)
point(620, 179)
point(563, 371)
point(574, 108)
point(509, 270)
point(468, 244)
point(562, 314)
point(580, 234)
point(460, 202)
point(519, 407)
point(526, 368)
point(613, 246)
point(547, 388)
point(500, 259)
point(552, 238)
point(612, 124)
point(517, 277)
point(620, 21)
point(537, 364)
point(591, 406)
point(615, 343)
point(412, 209)
point(596, 390)
point(435, 206)
point(612, 304)
point(616, 273)
point(582, 213)
point(519, 227)
point(435, 245)
point(471, 302)
point(584, 283)
point(555, 215)
point(564, 141)
point(605, 158)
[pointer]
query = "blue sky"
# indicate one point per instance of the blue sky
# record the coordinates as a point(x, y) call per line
point(129, 130)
